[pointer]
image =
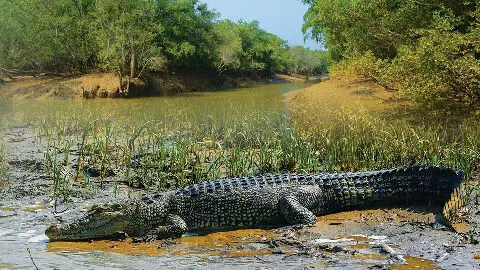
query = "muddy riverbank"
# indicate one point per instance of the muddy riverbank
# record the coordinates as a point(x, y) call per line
point(108, 85)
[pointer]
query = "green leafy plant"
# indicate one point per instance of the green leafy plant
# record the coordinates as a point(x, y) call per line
point(4, 177)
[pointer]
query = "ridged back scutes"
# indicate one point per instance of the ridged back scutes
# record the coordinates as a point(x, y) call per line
point(247, 182)
point(399, 186)
point(338, 184)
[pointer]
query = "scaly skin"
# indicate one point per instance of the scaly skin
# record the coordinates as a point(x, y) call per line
point(268, 200)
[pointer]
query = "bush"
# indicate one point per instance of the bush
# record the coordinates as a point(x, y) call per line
point(428, 50)
point(441, 66)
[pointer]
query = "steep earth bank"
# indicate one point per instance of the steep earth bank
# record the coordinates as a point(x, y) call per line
point(108, 85)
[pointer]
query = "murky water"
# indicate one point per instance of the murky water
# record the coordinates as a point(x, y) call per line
point(225, 105)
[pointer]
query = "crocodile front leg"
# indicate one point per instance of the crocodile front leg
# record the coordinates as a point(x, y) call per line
point(295, 205)
point(175, 227)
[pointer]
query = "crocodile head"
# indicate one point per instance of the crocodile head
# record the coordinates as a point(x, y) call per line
point(101, 222)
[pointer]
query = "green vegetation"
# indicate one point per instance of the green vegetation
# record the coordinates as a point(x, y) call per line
point(306, 62)
point(132, 38)
point(247, 48)
point(58, 169)
point(153, 144)
point(349, 139)
point(124, 33)
point(3, 166)
point(250, 48)
point(4, 109)
point(427, 50)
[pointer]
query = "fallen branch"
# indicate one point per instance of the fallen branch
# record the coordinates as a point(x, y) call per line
point(391, 253)
point(7, 216)
point(31, 258)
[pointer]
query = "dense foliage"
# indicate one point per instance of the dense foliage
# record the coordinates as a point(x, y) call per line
point(428, 49)
point(131, 38)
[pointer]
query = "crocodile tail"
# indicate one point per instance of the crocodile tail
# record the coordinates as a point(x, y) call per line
point(457, 201)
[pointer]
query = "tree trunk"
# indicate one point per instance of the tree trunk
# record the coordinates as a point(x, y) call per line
point(132, 63)
point(120, 81)
point(128, 86)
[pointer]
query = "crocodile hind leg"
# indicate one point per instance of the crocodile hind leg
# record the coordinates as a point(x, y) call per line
point(295, 205)
point(175, 227)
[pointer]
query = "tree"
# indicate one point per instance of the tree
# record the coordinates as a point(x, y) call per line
point(303, 61)
point(443, 66)
point(245, 47)
point(125, 33)
point(425, 49)
point(45, 36)
point(261, 51)
point(353, 27)
point(230, 48)
point(131, 38)
point(187, 37)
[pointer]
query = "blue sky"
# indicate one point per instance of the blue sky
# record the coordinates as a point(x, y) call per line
point(283, 18)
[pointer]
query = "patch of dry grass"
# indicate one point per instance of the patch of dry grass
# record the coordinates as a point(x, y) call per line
point(359, 125)
point(338, 93)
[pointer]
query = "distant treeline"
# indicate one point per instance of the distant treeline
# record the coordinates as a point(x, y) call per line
point(427, 49)
point(133, 37)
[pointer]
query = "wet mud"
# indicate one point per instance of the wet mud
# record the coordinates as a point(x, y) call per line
point(372, 239)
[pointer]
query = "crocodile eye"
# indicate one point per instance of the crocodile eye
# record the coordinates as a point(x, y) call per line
point(116, 207)
point(109, 215)
point(95, 208)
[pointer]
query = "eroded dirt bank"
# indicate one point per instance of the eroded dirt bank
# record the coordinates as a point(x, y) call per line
point(108, 85)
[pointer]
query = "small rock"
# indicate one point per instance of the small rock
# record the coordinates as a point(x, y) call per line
point(439, 226)
point(278, 252)
point(337, 249)
point(443, 257)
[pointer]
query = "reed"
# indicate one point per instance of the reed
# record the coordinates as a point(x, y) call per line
point(4, 177)
point(57, 165)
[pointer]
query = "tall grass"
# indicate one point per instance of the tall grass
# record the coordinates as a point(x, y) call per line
point(4, 177)
point(3, 166)
point(355, 140)
point(57, 165)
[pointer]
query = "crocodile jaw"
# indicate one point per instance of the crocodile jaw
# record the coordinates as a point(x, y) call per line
point(96, 224)
point(76, 232)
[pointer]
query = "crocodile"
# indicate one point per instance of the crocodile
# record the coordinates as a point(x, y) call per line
point(255, 201)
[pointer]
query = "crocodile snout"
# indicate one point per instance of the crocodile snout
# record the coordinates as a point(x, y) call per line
point(52, 231)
